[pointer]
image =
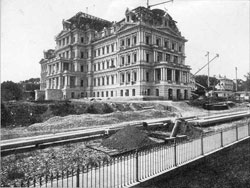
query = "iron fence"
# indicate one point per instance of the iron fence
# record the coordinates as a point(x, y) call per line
point(139, 165)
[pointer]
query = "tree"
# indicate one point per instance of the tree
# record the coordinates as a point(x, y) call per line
point(202, 80)
point(11, 91)
point(31, 84)
point(240, 85)
point(246, 83)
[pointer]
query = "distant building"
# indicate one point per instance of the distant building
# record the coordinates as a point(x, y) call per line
point(242, 95)
point(225, 84)
point(142, 56)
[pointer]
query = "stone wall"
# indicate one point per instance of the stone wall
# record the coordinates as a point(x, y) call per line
point(53, 94)
point(39, 95)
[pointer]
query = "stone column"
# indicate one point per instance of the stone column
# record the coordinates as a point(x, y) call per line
point(162, 77)
point(181, 81)
point(154, 75)
point(173, 75)
point(47, 84)
point(139, 75)
point(66, 81)
point(166, 73)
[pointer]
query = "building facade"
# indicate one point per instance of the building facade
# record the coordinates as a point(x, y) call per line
point(225, 84)
point(141, 56)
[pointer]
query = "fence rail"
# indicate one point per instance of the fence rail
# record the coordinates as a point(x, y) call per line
point(140, 165)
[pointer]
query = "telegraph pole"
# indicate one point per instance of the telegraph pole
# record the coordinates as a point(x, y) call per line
point(208, 83)
point(236, 89)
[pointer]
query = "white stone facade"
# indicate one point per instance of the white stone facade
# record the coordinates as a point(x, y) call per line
point(141, 56)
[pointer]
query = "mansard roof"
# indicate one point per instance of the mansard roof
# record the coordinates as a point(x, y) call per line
point(86, 21)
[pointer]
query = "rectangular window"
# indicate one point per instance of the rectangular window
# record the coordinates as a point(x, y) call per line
point(175, 59)
point(81, 68)
point(127, 92)
point(99, 66)
point(122, 43)
point(111, 93)
point(107, 93)
point(135, 57)
point(135, 40)
point(98, 94)
point(107, 64)
point(107, 80)
point(81, 83)
point(94, 81)
point(128, 77)
point(103, 83)
point(133, 92)
point(169, 74)
point(112, 79)
point(158, 42)
point(128, 42)
point(159, 56)
point(180, 48)
point(173, 46)
point(103, 50)
point(94, 67)
point(82, 39)
point(82, 55)
point(147, 39)
point(112, 47)
point(99, 52)
point(168, 57)
point(122, 78)
point(107, 48)
point(103, 65)
point(122, 60)
point(147, 57)
point(135, 76)
point(166, 43)
point(128, 58)
point(112, 63)
point(121, 93)
point(99, 82)
point(147, 76)
point(102, 94)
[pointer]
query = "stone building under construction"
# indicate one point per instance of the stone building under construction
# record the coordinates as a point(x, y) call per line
point(142, 56)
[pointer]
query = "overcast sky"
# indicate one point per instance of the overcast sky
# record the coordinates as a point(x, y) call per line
point(219, 26)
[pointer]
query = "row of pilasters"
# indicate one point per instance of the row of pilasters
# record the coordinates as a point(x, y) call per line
point(131, 72)
point(57, 82)
point(163, 73)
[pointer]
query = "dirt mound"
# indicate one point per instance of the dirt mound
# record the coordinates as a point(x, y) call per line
point(128, 138)
point(189, 130)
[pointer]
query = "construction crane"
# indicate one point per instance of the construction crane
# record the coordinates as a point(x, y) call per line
point(149, 6)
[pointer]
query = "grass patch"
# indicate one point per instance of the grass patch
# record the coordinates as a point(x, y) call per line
point(227, 169)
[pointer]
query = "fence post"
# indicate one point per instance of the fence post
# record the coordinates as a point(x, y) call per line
point(137, 165)
point(237, 136)
point(248, 128)
point(175, 153)
point(78, 177)
point(202, 147)
point(221, 138)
